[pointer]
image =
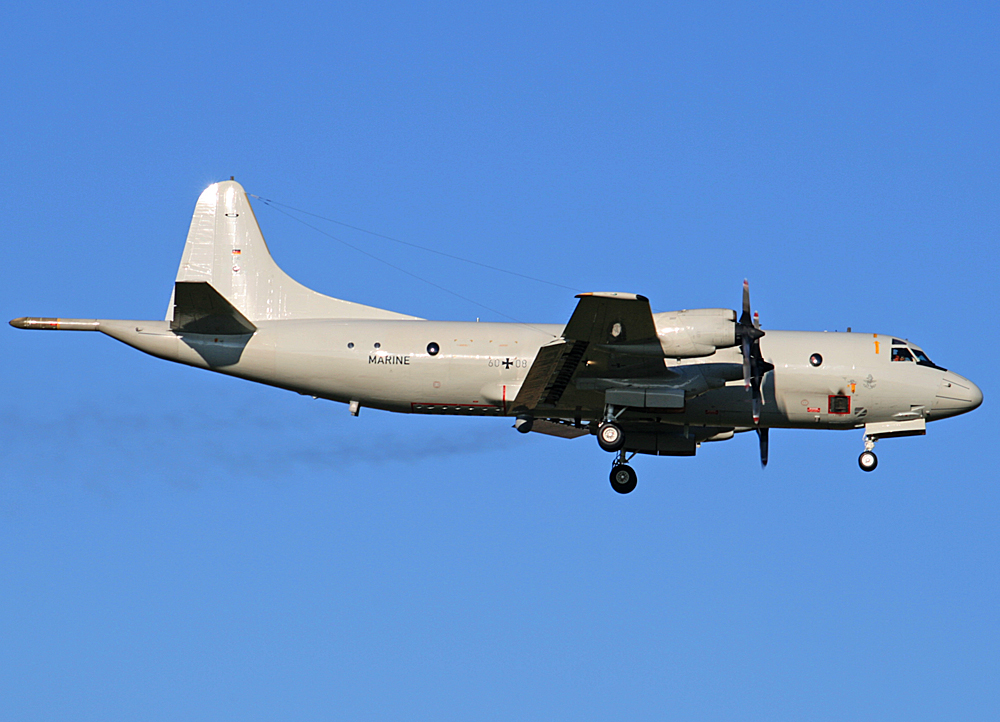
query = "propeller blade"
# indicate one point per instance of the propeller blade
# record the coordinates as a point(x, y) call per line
point(762, 435)
point(747, 326)
point(749, 333)
point(746, 362)
point(757, 400)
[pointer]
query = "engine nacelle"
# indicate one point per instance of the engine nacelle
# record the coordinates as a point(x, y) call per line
point(696, 332)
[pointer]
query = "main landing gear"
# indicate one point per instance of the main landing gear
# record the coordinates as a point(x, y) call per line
point(611, 437)
point(868, 461)
point(623, 477)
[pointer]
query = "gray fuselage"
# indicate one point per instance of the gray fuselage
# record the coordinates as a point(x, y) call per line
point(479, 367)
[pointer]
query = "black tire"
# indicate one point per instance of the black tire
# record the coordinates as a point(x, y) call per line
point(524, 424)
point(623, 478)
point(610, 436)
point(868, 461)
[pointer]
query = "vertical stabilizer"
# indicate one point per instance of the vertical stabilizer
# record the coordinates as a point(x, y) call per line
point(226, 250)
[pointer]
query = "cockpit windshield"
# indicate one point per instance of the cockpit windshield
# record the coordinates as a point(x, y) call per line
point(922, 359)
point(912, 354)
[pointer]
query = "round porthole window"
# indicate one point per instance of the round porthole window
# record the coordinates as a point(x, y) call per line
point(816, 359)
point(433, 348)
point(378, 345)
point(350, 345)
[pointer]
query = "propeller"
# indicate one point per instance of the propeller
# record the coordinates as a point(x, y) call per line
point(762, 436)
point(749, 333)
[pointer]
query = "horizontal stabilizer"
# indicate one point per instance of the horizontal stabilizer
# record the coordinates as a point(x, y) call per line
point(199, 308)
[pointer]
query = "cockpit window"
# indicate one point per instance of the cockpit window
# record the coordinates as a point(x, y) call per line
point(907, 353)
point(897, 342)
point(922, 359)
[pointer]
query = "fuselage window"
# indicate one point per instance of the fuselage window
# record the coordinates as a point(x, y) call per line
point(902, 354)
point(816, 359)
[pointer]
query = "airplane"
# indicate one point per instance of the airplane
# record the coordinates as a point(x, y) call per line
point(641, 382)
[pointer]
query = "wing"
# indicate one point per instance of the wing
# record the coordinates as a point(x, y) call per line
point(610, 353)
point(613, 319)
point(610, 336)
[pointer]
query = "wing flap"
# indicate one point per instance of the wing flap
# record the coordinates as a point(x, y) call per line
point(550, 374)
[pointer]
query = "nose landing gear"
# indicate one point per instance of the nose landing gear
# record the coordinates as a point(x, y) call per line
point(868, 461)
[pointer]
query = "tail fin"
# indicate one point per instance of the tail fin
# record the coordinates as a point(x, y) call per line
point(226, 250)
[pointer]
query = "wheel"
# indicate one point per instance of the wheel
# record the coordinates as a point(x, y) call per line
point(524, 424)
point(623, 478)
point(868, 461)
point(610, 436)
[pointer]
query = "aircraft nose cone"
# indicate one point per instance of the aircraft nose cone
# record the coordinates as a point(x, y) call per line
point(956, 395)
point(977, 397)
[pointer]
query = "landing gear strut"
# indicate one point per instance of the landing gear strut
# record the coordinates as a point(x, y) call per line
point(610, 436)
point(868, 461)
point(623, 477)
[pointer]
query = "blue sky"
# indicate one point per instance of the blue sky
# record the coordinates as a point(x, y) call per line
point(181, 545)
